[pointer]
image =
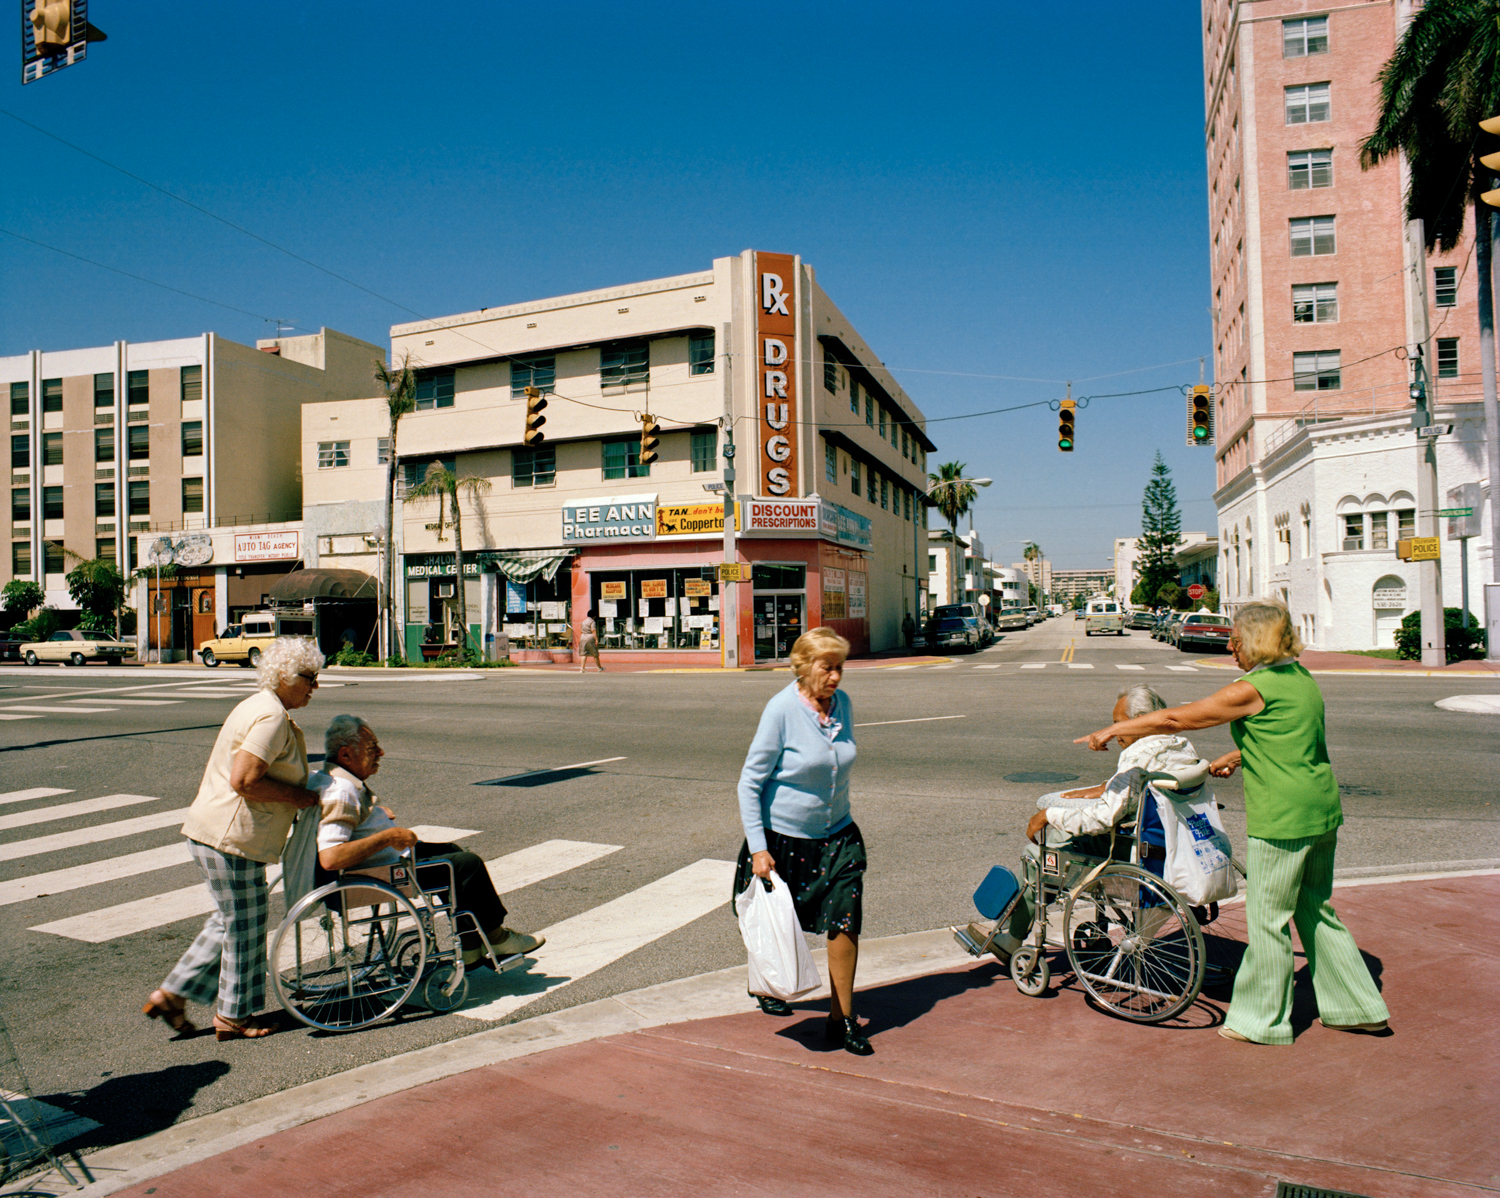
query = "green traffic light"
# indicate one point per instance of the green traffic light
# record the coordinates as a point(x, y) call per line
point(1200, 433)
point(1065, 444)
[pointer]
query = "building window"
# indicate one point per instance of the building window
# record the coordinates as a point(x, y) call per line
point(1306, 534)
point(1447, 357)
point(705, 450)
point(932, 563)
point(192, 438)
point(830, 463)
point(383, 451)
point(1316, 371)
point(1304, 36)
point(1406, 522)
point(20, 505)
point(854, 475)
point(1315, 303)
point(870, 484)
point(52, 503)
point(104, 444)
point(624, 363)
point(1309, 168)
point(53, 561)
point(20, 399)
point(414, 473)
point(1444, 290)
point(192, 384)
point(140, 498)
point(192, 495)
point(332, 454)
point(533, 467)
point(1354, 531)
point(538, 372)
point(854, 395)
point(906, 503)
point(869, 409)
point(885, 494)
point(434, 389)
point(830, 373)
point(138, 387)
point(1380, 530)
point(104, 390)
point(622, 459)
point(701, 353)
point(20, 451)
point(1307, 104)
point(1313, 235)
point(104, 550)
point(882, 422)
point(20, 559)
point(905, 444)
point(52, 395)
point(104, 501)
point(140, 442)
point(52, 449)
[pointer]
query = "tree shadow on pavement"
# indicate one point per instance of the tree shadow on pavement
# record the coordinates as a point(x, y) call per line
point(136, 1104)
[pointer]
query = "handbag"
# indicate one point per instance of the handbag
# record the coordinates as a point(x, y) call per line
point(781, 965)
point(1199, 856)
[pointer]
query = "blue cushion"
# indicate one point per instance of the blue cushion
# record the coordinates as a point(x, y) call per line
point(996, 893)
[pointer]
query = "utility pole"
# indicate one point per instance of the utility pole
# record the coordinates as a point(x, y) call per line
point(1429, 573)
point(1487, 220)
point(729, 624)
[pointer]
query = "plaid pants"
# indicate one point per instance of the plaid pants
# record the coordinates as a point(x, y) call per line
point(228, 959)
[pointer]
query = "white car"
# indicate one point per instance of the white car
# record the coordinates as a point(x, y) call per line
point(76, 648)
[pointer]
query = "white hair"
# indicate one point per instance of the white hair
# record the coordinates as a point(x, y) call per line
point(286, 657)
point(1141, 699)
point(343, 733)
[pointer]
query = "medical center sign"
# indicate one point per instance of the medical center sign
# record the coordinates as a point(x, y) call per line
point(776, 341)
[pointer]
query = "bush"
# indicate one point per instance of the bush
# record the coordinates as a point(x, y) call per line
point(39, 627)
point(128, 623)
point(350, 656)
point(1462, 644)
point(97, 621)
point(395, 662)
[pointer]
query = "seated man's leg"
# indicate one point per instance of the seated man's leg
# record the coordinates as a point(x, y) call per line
point(476, 890)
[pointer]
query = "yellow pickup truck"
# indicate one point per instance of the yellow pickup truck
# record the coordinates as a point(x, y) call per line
point(241, 643)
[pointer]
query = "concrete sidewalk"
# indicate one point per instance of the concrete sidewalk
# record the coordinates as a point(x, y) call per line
point(973, 1089)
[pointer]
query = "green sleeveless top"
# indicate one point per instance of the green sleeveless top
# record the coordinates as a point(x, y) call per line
point(1290, 790)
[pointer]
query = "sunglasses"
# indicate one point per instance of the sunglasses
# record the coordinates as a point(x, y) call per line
point(310, 679)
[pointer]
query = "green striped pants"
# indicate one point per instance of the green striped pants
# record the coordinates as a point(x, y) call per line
point(1291, 881)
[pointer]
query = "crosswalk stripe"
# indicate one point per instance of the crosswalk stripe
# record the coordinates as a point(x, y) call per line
point(36, 792)
point(55, 710)
point(1183, 669)
point(140, 915)
point(212, 692)
point(1080, 665)
point(588, 942)
point(128, 703)
point(3, 716)
point(991, 666)
point(952, 665)
point(68, 840)
point(75, 877)
point(42, 815)
point(1120, 667)
point(1033, 665)
point(526, 866)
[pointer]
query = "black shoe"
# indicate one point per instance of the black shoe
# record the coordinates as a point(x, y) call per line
point(772, 1006)
point(847, 1031)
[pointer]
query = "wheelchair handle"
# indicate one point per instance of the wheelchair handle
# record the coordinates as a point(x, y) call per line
point(1188, 778)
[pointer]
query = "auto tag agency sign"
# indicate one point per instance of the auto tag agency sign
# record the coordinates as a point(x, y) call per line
point(267, 546)
point(776, 342)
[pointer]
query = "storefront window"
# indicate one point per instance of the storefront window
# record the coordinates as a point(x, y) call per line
point(536, 614)
point(779, 607)
point(656, 609)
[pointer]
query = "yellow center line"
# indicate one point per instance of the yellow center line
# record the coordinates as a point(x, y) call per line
point(1067, 655)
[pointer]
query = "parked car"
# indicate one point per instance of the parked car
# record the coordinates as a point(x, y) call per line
point(76, 648)
point(951, 632)
point(1011, 619)
point(1103, 616)
point(241, 643)
point(10, 647)
point(1032, 615)
point(1170, 622)
point(969, 611)
point(1141, 619)
point(1200, 628)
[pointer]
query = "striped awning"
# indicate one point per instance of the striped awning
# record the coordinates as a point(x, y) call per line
point(523, 565)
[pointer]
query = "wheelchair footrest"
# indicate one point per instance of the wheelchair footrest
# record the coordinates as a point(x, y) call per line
point(965, 942)
point(510, 962)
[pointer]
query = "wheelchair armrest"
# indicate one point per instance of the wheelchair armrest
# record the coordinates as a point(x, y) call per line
point(1188, 778)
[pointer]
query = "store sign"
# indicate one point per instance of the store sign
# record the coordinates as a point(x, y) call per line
point(613, 590)
point(515, 598)
point(693, 520)
point(626, 518)
point(857, 608)
point(267, 546)
point(1390, 597)
point(783, 517)
point(437, 565)
point(697, 588)
point(846, 527)
point(653, 588)
point(835, 603)
point(776, 342)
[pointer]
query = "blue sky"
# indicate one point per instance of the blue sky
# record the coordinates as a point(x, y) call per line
point(993, 193)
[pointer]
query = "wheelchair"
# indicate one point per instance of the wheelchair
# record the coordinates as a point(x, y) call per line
point(356, 950)
point(1132, 942)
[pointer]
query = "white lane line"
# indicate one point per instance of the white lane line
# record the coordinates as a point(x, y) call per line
point(42, 815)
point(1183, 669)
point(55, 710)
point(1080, 665)
point(952, 665)
point(209, 692)
point(1120, 667)
point(926, 719)
point(525, 866)
point(36, 792)
point(126, 703)
point(893, 669)
point(71, 840)
point(588, 942)
point(992, 666)
point(1033, 665)
point(56, 881)
point(3, 716)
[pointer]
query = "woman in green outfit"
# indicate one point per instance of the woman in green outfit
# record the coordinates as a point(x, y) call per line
point(1292, 816)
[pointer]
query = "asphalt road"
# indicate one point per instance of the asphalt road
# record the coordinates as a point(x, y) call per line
point(952, 758)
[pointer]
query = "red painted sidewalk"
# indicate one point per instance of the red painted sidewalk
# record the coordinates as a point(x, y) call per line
point(974, 1090)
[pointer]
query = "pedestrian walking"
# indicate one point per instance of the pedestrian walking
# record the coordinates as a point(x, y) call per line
point(588, 643)
point(1292, 816)
point(253, 787)
point(794, 805)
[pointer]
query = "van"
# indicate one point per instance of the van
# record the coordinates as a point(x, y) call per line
point(1103, 615)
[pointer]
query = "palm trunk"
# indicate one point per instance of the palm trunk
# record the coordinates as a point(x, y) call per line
point(391, 639)
point(458, 554)
point(1484, 217)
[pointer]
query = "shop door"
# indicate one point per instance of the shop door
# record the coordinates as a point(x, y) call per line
point(778, 624)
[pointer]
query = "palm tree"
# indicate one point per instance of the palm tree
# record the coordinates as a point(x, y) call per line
point(400, 386)
point(1442, 81)
point(444, 485)
point(1033, 555)
point(951, 492)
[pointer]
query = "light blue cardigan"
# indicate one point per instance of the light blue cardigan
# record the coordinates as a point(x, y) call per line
point(796, 775)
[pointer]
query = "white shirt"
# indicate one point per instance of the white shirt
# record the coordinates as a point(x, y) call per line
point(1122, 793)
point(350, 813)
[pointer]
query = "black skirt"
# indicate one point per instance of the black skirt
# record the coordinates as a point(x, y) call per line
point(826, 877)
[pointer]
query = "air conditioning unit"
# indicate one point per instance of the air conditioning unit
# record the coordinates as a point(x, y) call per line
point(445, 590)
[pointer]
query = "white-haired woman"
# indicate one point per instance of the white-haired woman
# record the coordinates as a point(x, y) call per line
point(252, 789)
point(794, 805)
point(1292, 816)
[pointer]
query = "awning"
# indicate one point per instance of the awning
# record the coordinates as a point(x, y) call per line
point(522, 565)
point(324, 584)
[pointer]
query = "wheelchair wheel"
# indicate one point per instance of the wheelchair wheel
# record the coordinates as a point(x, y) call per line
point(1225, 937)
point(338, 973)
point(439, 993)
point(1029, 971)
point(1134, 945)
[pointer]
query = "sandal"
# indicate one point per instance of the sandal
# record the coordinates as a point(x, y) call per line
point(254, 1028)
point(171, 1009)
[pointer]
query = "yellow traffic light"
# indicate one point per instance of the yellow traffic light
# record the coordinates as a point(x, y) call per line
point(1066, 410)
point(52, 26)
point(649, 439)
point(535, 402)
point(1201, 416)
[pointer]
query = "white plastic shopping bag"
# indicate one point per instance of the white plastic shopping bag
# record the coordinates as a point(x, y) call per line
point(781, 966)
point(1199, 862)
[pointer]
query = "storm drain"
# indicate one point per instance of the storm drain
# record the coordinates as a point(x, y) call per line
point(1287, 1189)
point(1042, 777)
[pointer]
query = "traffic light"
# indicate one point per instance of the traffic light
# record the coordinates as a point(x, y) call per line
point(535, 402)
point(1491, 161)
point(1065, 411)
point(1201, 416)
point(649, 439)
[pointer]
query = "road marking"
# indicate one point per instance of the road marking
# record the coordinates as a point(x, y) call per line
point(56, 710)
point(70, 840)
point(3, 716)
point(42, 815)
point(1120, 667)
point(993, 666)
point(952, 665)
point(893, 669)
point(58, 880)
point(529, 865)
point(211, 692)
point(128, 703)
point(925, 719)
point(588, 942)
point(1068, 652)
point(36, 792)
point(1033, 665)
point(1080, 665)
point(1183, 669)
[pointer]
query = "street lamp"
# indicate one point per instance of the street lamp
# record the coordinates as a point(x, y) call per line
point(954, 482)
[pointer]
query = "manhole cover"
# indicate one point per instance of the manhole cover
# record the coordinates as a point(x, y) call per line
point(1345, 789)
point(1042, 777)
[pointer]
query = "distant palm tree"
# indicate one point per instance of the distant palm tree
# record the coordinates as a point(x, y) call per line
point(1033, 555)
point(400, 386)
point(444, 485)
point(951, 493)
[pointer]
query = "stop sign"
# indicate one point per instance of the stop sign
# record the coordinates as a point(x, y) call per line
point(1197, 591)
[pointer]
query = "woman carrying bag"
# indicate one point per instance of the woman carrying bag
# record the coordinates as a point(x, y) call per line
point(794, 804)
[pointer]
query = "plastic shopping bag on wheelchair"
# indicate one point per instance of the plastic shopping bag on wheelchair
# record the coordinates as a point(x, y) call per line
point(1200, 858)
point(781, 966)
